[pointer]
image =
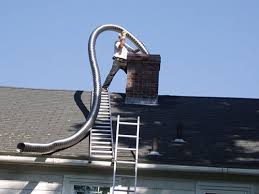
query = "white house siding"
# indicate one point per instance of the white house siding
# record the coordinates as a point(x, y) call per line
point(145, 185)
point(256, 187)
point(165, 185)
point(30, 183)
point(46, 180)
point(171, 183)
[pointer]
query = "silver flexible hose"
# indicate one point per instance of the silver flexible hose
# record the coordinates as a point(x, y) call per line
point(85, 130)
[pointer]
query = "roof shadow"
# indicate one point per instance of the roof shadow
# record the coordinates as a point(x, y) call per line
point(79, 102)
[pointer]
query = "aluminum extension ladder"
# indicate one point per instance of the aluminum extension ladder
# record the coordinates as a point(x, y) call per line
point(126, 162)
point(101, 135)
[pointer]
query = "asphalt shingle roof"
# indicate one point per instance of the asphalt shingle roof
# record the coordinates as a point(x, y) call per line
point(217, 131)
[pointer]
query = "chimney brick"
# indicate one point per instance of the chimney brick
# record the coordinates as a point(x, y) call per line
point(142, 79)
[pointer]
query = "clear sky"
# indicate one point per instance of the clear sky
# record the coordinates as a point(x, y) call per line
point(208, 48)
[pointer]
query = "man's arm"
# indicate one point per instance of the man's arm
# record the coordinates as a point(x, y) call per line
point(130, 49)
point(122, 43)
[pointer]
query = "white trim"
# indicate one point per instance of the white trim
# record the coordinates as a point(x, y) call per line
point(58, 162)
point(223, 187)
point(70, 181)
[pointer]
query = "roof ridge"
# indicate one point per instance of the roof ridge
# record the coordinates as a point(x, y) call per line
point(42, 89)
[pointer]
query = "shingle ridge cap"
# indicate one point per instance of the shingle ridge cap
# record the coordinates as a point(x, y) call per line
point(42, 89)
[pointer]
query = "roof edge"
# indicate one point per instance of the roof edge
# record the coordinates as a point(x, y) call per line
point(43, 89)
point(59, 162)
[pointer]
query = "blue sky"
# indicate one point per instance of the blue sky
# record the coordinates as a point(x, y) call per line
point(208, 48)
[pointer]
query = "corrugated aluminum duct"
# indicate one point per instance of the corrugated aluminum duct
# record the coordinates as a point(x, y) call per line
point(84, 131)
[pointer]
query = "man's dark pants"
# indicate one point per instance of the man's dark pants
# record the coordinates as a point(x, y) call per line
point(117, 64)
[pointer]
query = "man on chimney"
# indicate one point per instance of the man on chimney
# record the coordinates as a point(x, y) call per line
point(121, 50)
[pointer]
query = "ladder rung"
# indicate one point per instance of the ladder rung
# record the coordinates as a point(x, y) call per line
point(124, 190)
point(103, 116)
point(102, 151)
point(103, 113)
point(101, 142)
point(107, 117)
point(101, 127)
point(101, 138)
point(101, 130)
point(104, 103)
point(101, 134)
point(104, 109)
point(101, 156)
point(127, 123)
point(129, 149)
point(104, 147)
point(125, 162)
point(124, 175)
point(104, 106)
point(129, 136)
point(102, 119)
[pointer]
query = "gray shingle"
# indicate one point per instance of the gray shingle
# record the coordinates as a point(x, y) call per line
point(218, 131)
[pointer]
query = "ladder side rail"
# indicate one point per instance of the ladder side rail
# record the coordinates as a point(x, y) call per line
point(111, 127)
point(115, 156)
point(90, 146)
point(90, 135)
point(136, 159)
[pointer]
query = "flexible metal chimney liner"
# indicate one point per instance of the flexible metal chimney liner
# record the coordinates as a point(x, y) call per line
point(85, 130)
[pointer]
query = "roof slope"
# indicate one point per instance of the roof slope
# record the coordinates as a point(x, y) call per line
point(217, 131)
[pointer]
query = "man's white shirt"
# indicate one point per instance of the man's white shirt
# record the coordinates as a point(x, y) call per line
point(122, 52)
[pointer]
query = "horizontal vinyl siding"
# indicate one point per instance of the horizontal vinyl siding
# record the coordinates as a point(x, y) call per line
point(18, 183)
point(12, 191)
point(155, 191)
point(256, 188)
point(50, 181)
point(145, 185)
point(170, 184)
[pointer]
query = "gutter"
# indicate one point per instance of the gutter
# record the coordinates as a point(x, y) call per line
point(59, 162)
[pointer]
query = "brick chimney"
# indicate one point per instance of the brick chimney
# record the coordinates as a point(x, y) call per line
point(142, 79)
